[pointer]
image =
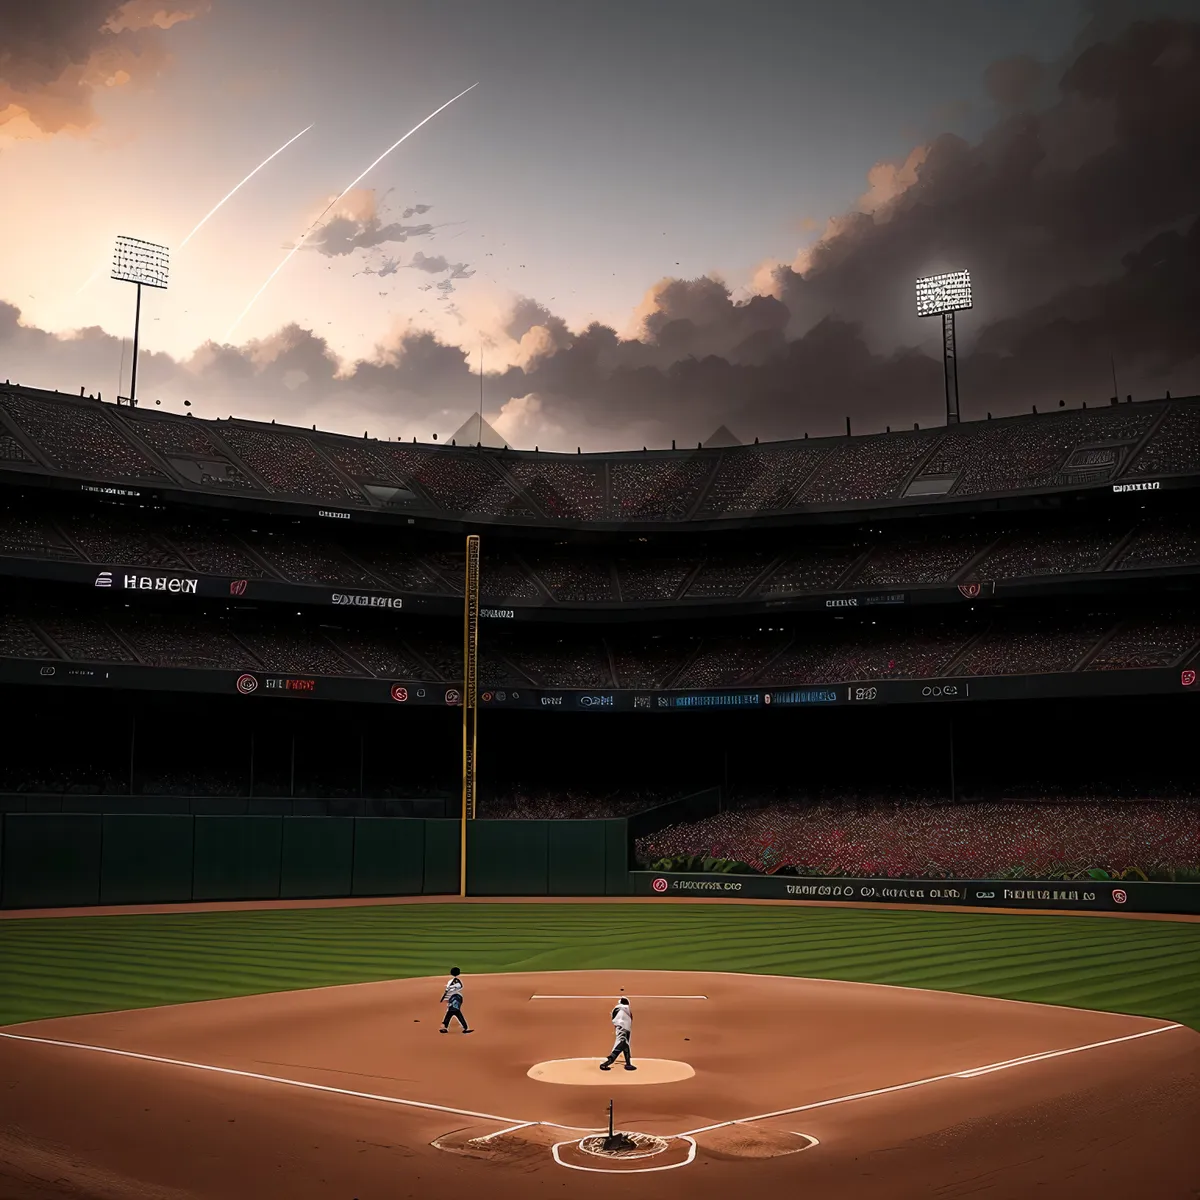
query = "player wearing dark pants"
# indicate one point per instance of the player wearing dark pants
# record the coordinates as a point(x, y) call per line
point(454, 1013)
point(622, 1020)
point(452, 998)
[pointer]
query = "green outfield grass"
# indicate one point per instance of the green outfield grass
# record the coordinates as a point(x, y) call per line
point(60, 966)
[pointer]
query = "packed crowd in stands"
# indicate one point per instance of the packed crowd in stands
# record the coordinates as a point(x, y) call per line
point(288, 464)
point(539, 802)
point(1050, 552)
point(1034, 644)
point(795, 564)
point(563, 662)
point(84, 437)
point(104, 540)
point(300, 560)
point(1174, 447)
point(657, 489)
point(1008, 456)
point(467, 482)
point(79, 438)
point(1162, 544)
point(585, 581)
point(967, 647)
point(642, 580)
point(166, 641)
point(187, 447)
point(923, 652)
point(727, 576)
point(811, 569)
point(1148, 642)
point(562, 488)
point(212, 552)
point(84, 637)
point(752, 480)
point(868, 468)
point(405, 571)
point(910, 837)
point(23, 535)
point(935, 558)
point(723, 661)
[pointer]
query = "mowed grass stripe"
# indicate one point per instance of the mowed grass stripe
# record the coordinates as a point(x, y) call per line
point(72, 965)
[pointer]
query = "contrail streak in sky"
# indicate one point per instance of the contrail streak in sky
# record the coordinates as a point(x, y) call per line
point(244, 181)
point(354, 183)
point(93, 276)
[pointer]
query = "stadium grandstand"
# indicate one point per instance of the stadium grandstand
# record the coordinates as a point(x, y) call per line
point(237, 617)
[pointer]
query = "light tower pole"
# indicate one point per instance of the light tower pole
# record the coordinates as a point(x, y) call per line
point(944, 295)
point(144, 264)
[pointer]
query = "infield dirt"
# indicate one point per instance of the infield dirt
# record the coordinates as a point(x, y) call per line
point(78, 1123)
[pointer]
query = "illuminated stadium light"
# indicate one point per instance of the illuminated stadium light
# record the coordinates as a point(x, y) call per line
point(145, 264)
point(937, 294)
point(944, 295)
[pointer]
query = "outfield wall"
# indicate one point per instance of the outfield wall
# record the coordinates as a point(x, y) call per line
point(66, 860)
point(59, 860)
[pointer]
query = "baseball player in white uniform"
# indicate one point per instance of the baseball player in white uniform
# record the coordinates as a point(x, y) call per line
point(622, 1020)
point(452, 998)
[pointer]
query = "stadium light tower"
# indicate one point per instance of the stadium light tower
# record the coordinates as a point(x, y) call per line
point(944, 295)
point(145, 264)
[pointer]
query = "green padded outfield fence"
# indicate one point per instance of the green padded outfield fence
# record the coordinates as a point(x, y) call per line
point(66, 860)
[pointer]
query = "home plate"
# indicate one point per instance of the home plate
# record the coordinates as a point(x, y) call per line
point(586, 1071)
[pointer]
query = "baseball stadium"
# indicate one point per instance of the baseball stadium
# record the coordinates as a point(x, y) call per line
point(847, 783)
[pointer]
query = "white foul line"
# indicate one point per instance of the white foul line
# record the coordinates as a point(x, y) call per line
point(969, 1073)
point(313, 1087)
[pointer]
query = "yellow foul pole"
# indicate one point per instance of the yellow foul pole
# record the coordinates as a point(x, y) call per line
point(470, 698)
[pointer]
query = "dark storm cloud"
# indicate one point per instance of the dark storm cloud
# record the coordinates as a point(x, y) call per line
point(1079, 220)
point(416, 210)
point(41, 41)
point(435, 264)
point(343, 235)
point(54, 55)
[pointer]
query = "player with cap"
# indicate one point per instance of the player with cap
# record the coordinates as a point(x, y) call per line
point(622, 1020)
point(452, 998)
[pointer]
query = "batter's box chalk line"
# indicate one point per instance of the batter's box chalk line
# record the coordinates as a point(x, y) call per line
point(511, 1125)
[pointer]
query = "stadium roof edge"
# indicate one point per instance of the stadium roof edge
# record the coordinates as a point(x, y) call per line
point(785, 443)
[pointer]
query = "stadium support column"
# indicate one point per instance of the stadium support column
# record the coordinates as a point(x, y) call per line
point(470, 698)
point(950, 361)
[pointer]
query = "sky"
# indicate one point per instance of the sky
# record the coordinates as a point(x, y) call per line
point(649, 219)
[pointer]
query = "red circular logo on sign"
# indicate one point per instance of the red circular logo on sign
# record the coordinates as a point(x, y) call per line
point(1119, 896)
point(247, 684)
point(659, 885)
point(400, 693)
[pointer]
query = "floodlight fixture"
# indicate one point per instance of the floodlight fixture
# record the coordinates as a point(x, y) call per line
point(944, 295)
point(144, 264)
point(937, 294)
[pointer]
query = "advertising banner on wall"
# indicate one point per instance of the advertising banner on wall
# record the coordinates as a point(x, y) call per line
point(1068, 895)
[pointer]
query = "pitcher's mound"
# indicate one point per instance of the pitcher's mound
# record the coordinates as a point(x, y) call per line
point(586, 1071)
